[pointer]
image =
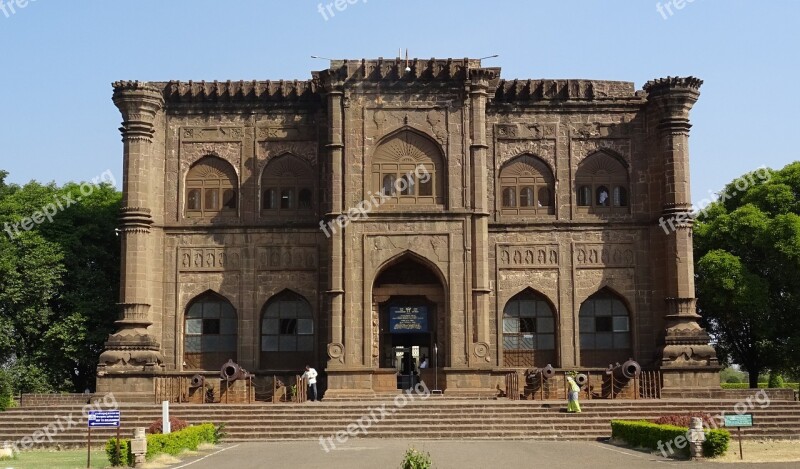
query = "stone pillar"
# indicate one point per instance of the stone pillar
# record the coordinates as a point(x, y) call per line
point(132, 347)
point(687, 357)
point(480, 355)
point(335, 146)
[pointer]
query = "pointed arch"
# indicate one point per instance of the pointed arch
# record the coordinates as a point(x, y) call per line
point(288, 186)
point(408, 165)
point(212, 188)
point(288, 331)
point(602, 183)
point(412, 256)
point(210, 332)
point(526, 186)
point(530, 330)
point(604, 328)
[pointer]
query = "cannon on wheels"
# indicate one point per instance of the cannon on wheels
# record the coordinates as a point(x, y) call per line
point(618, 376)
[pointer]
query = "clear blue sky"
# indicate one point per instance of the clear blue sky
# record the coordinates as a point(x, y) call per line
point(59, 57)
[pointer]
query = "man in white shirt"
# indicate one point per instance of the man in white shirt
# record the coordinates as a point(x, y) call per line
point(424, 363)
point(311, 378)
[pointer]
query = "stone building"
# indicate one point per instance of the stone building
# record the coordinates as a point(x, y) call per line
point(387, 211)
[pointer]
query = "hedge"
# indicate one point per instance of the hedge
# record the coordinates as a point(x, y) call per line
point(6, 391)
point(174, 443)
point(644, 434)
point(760, 385)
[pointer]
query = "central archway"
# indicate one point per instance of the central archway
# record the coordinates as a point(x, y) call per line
point(410, 301)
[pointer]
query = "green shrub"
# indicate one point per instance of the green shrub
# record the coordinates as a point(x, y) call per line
point(716, 443)
point(6, 391)
point(125, 457)
point(775, 381)
point(643, 434)
point(174, 443)
point(416, 460)
point(760, 385)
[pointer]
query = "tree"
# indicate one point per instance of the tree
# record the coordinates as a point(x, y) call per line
point(747, 251)
point(58, 283)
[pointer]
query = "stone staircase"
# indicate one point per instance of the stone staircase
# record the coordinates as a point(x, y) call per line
point(432, 418)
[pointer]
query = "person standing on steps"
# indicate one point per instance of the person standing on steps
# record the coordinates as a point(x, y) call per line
point(311, 376)
point(572, 395)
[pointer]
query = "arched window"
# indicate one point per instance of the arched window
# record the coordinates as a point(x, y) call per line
point(604, 329)
point(585, 196)
point(287, 324)
point(594, 180)
point(210, 331)
point(211, 188)
point(526, 183)
point(620, 197)
point(287, 187)
point(408, 167)
point(528, 331)
point(287, 332)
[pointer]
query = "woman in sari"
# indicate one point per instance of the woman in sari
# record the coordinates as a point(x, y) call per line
point(572, 395)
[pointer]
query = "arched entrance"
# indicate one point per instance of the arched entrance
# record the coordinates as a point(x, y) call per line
point(410, 300)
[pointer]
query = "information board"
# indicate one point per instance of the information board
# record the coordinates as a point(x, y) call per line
point(104, 418)
point(408, 319)
point(744, 420)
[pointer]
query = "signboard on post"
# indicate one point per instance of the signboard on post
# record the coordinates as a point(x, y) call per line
point(101, 419)
point(104, 418)
point(739, 421)
point(744, 420)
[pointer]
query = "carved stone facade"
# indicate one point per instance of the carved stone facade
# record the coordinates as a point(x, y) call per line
point(378, 186)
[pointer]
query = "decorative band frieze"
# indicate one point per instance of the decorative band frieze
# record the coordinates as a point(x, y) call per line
point(209, 259)
point(287, 258)
point(603, 255)
point(527, 256)
point(212, 134)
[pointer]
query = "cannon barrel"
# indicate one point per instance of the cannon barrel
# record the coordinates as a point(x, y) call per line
point(581, 379)
point(548, 371)
point(197, 381)
point(231, 371)
point(628, 370)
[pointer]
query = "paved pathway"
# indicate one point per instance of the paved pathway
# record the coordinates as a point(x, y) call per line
point(480, 454)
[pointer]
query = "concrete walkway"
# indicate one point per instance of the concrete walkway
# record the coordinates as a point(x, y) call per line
point(479, 454)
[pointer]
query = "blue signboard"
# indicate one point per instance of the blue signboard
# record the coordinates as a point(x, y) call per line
point(408, 319)
point(104, 418)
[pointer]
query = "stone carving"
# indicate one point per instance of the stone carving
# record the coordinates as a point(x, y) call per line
point(432, 247)
point(481, 351)
point(336, 352)
point(583, 148)
point(267, 150)
point(604, 255)
point(286, 258)
point(523, 257)
point(230, 152)
point(291, 133)
point(209, 259)
point(211, 134)
point(543, 149)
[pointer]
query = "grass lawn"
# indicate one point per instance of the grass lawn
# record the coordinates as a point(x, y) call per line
point(71, 459)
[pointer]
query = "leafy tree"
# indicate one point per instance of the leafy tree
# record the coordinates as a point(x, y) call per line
point(747, 251)
point(58, 283)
